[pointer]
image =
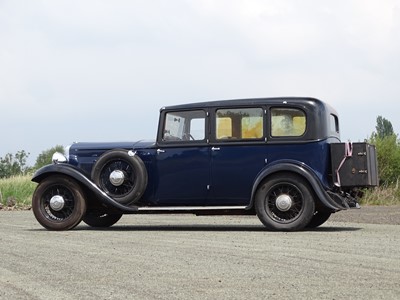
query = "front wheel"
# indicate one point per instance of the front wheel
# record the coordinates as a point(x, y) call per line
point(284, 202)
point(58, 203)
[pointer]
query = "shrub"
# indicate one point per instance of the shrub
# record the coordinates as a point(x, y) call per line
point(388, 152)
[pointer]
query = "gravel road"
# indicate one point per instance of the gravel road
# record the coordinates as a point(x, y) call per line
point(189, 257)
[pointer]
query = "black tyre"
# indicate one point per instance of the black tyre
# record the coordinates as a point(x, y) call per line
point(319, 218)
point(284, 202)
point(101, 220)
point(58, 203)
point(121, 174)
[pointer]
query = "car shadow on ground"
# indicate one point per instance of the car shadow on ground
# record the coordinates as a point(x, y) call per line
point(210, 228)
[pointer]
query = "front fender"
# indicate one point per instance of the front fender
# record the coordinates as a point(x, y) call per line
point(74, 172)
point(302, 170)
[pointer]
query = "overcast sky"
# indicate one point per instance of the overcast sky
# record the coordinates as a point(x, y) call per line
point(101, 70)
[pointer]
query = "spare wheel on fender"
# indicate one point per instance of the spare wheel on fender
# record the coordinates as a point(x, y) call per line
point(121, 174)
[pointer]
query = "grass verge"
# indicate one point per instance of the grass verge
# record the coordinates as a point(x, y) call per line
point(19, 189)
point(383, 195)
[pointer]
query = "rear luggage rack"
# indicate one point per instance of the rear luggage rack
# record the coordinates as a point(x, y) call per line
point(354, 165)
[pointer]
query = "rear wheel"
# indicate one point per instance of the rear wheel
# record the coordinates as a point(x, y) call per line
point(284, 202)
point(58, 203)
point(319, 218)
point(101, 219)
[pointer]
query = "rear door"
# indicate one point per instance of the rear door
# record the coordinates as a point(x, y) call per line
point(238, 154)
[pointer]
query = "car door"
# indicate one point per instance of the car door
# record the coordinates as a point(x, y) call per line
point(238, 154)
point(183, 159)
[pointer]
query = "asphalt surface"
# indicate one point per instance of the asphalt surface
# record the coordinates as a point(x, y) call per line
point(189, 257)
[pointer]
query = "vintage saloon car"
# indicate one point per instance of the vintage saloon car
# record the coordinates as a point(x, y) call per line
point(278, 158)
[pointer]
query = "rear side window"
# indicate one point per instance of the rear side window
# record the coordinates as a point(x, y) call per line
point(287, 122)
point(239, 124)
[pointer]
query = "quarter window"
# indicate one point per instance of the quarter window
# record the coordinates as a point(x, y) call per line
point(184, 126)
point(239, 124)
point(334, 124)
point(287, 122)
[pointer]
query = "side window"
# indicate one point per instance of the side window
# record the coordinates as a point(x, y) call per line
point(197, 128)
point(334, 124)
point(287, 122)
point(239, 124)
point(184, 126)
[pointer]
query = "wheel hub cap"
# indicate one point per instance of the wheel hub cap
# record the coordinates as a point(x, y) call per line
point(57, 203)
point(284, 202)
point(117, 177)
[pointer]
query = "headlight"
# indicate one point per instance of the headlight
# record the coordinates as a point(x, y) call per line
point(58, 158)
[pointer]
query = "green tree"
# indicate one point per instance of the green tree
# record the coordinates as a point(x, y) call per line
point(388, 154)
point(44, 158)
point(388, 151)
point(383, 127)
point(12, 165)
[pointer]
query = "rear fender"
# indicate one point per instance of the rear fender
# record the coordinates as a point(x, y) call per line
point(74, 173)
point(302, 170)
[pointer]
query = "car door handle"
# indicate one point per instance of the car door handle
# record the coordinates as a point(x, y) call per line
point(160, 151)
point(215, 148)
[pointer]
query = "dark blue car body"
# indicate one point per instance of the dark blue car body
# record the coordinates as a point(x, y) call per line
point(243, 150)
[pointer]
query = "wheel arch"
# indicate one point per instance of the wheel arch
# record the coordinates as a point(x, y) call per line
point(83, 181)
point(303, 171)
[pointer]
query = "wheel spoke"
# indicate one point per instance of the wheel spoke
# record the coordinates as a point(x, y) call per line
point(296, 198)
point(68, 208)
point(128, 183)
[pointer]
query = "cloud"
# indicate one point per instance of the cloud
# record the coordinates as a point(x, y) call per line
point(100, 70)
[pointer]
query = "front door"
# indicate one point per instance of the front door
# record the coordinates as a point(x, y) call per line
point(183, 159)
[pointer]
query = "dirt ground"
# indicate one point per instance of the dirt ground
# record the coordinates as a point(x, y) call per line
point(366, 214)
point(190, 257)
point(369, 215)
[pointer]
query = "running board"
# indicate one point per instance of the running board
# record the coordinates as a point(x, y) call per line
point(197, 210)
point(189, 208)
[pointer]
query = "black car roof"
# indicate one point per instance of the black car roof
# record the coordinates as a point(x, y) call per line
point(249, 101)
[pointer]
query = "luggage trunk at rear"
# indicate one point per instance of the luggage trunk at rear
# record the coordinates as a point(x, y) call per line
point(354, 165)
